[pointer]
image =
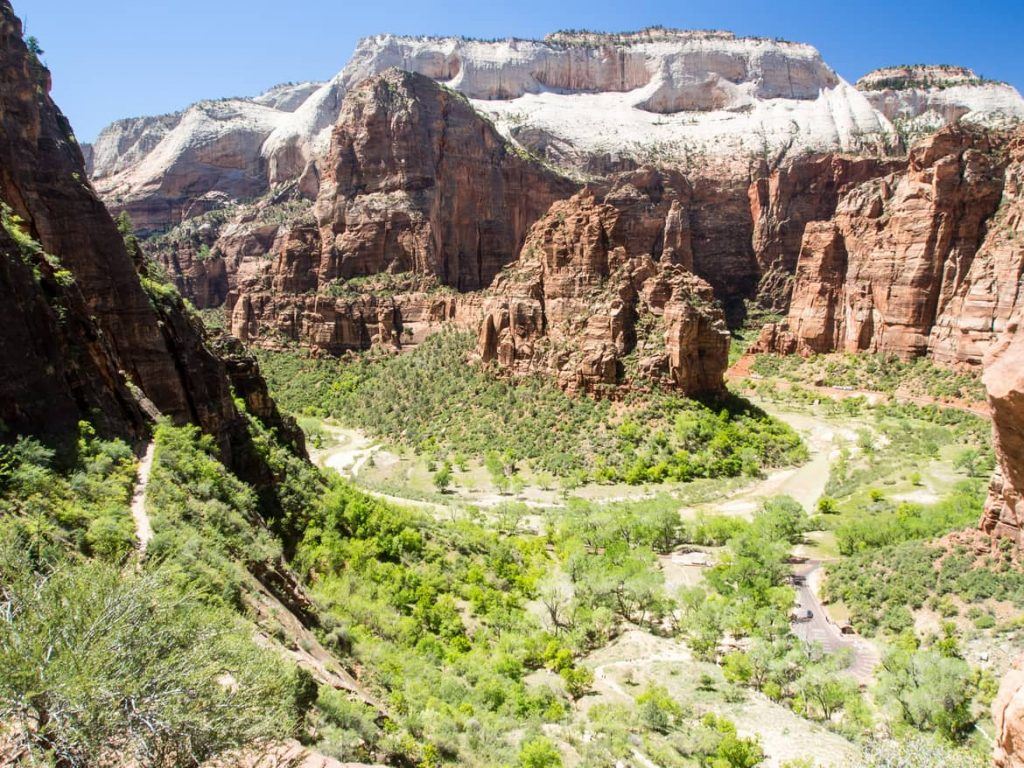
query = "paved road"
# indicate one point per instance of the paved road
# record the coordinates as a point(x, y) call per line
point(820, 629)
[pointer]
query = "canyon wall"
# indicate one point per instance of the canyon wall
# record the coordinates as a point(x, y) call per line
point(915, 262)
point(84, 339)
point(922, 99)
point(418, 190)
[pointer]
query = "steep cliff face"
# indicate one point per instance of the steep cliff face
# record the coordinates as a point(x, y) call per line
point(417, 186)
point(89, 320)
point(632, 94)
point(785, 199)
point(884, 273)
point(1008, 714)
point(602, 295)
point(167, 168)
point(1004, 381)
point(416, 181)
point(58, 368)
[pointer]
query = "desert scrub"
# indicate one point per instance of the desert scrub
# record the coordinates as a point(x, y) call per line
point(206, 522)
point(877, 373)
point(119, 662)
point(434, 402)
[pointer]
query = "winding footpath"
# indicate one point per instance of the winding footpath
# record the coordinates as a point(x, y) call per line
point(143, 526)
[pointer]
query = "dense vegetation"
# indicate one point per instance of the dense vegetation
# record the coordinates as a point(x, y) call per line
point(106, 660)
point(877, 373)
point(881, 587)
point(434, 402)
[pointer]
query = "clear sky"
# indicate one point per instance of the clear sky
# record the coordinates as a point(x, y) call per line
point(122, 58)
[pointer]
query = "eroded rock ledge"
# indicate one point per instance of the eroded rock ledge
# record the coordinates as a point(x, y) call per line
point(602, 295)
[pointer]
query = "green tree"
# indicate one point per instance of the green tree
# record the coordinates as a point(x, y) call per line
point(931, 691)
point(539, 753)
point(824, 693)
point(443, 477)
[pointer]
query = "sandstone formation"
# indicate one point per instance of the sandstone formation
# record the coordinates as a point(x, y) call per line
point(785, 199)
point(417, 189)
point(82, 335)
point(603, 295)
point(416, 181)
point(922, 99)
point(1008, 713)
point(891, 271)
point(1004, 381)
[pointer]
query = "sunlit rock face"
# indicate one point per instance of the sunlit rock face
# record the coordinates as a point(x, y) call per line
point(908, 264)
point(923, 99)
point(587, 102)
point(602, 296)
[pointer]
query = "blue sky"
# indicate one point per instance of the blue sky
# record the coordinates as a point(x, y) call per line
point(121, 58)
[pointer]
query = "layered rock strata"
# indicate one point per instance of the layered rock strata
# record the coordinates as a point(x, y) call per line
point(602, 295)
point(893, 270)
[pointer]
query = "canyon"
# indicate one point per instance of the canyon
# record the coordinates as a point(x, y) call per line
point(601, 212)
point(598, 207)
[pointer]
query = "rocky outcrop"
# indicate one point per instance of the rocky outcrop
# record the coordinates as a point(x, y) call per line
point(1008, 714)
point(602, 295)
point(79, 313)
point(923, 99)
point(1004, 381)
point(416, 181)
point(883, 275)
point(419, 190)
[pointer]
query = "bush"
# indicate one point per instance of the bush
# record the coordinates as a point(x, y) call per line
point(112, 663)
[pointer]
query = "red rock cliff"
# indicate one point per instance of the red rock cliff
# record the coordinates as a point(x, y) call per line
point(602, 295)
point(895, 270)
point(416, 180)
